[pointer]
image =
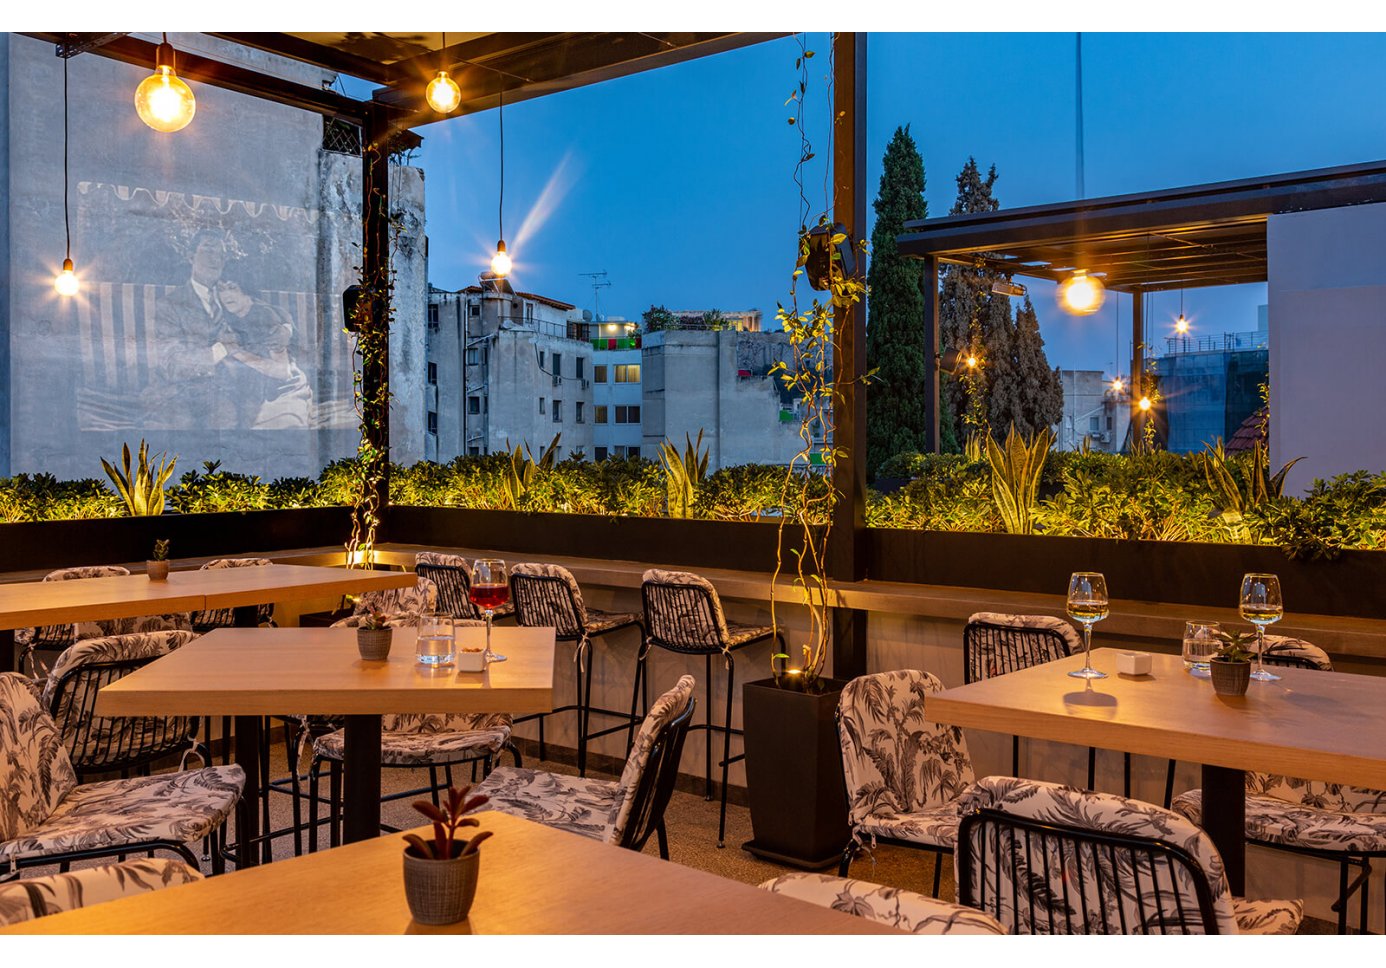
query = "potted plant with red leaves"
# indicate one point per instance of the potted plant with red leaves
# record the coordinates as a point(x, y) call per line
point(373, 636)
point(440, 873)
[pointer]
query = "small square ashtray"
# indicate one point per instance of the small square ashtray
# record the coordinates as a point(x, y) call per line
point(471, 661)
point(1133, 663)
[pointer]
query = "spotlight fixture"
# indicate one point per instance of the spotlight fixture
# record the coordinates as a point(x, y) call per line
point(163, 100)
point(1081, 294)
point(826, 244)
point(66, 281)
point(971, 361)
point(952, 360)
point(443, 94)
point(1005, 287)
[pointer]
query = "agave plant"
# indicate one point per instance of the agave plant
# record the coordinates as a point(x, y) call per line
point(141, 487)
point(683, 474)
point(1236, 497)
point(523, 467)
point(1015, 477)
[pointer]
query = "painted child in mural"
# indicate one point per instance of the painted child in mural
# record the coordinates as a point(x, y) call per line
point(273, 391)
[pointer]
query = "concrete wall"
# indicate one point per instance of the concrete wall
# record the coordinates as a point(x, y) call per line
point(1088, 397)
point(610, 394)
point(1327, 318)
point(134, 354)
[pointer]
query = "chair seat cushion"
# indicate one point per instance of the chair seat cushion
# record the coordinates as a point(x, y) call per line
point(179, 807)
point(578, 805)
point(1273, 821)
point(1267, 917)
point(739, 635)
point(599, 621)
point(36, 897)
point(398, 748)
point(935, 826)
point(900, 909)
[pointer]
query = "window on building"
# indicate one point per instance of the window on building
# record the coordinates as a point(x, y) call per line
point(474, 451)
point(541, 404)
point(557, 368)
point(433, 374)
point(601, 453)
point(473, 356)
point(632, 451)
point(433, 313)
point(1095, 425)
point(627, 373)
point(541, 359)
point(432, 421)
point(474, 310)
point(577, 412)
point(581, 364)
point(599, 373)
point(529, 312)
point(558, 411)
point(474, 404)
point(599, 413)
point(627, 415)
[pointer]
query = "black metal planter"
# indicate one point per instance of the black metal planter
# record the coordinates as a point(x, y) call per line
point(794, 774)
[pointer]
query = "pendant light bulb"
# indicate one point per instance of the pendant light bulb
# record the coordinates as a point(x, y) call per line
point(443, 93)
point(1145, 404)
point(1118, 384)
point(1081, 294)
point(163, 100)
point(66, 281)
point(1181, 325)
point(500, 262)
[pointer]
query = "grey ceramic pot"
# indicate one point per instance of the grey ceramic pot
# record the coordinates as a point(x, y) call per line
point(1230, 678)
point(440, 891)
point(374, 644)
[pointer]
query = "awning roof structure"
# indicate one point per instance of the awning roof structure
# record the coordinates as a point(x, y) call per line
point(1179, 238)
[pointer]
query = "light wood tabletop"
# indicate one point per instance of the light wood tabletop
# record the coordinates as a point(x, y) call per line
point(1315, 725)
point(533, 880)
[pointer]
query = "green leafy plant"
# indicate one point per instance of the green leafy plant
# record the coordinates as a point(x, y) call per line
point(1232, 649)
point(373, 621)
point(447, 821)
point(160, 552)
point(141, 486)
point(1015, 477)
point(683, 474)
point(523, 470)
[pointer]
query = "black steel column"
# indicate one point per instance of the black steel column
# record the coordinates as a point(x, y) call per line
point(932, 377)
point(1138, 416)
point(847, 546)
point(1224, 819)
point(375, 277)
point(361, 784)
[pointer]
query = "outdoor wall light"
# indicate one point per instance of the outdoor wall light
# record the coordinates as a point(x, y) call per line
point(163, 100)
point(826, 244)
point(1145, 404)
point(953, 360)
point(1081, 294)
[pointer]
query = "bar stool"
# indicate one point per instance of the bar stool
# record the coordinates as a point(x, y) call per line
point(452, 574)
point(548, 595)
point(683, 614)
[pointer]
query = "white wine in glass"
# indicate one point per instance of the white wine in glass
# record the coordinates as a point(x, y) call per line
point(1087, 605)
point(1262, 605)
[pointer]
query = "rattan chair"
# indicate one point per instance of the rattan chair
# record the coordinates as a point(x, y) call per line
point(58, 637)
point(683, 614)
point(549, 596)
point(222, 618)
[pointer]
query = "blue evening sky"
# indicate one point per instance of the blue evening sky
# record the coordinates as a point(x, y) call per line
point(677, 182)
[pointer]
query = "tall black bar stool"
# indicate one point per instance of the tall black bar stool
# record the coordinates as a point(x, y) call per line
point(452, 574)
point(548, 595)
point(683, 614)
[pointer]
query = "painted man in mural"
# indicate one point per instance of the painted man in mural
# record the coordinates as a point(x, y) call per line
point(223, 355)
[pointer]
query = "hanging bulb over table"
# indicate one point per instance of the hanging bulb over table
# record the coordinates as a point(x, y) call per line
point(443, 94)
point(66, 281)
point(1081, 294)
point(500, 262)
point(163, 100)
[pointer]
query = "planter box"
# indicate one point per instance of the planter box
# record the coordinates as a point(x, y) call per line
point(794, 775)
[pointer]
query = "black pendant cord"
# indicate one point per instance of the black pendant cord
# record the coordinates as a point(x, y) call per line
point(500, 208)
point(67, 223)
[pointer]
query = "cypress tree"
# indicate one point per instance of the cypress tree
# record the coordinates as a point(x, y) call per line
point(895, 407)
point(1040, 390)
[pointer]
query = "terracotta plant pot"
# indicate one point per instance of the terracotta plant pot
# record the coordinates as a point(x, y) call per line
point(1230, 678)
point(156, 570)
point(374, 644)
point(440, 891)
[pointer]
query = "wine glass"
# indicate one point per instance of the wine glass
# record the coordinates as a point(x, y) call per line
point(1261, 605)
point(490, 590)
point(1087, 603)
point(436, 643)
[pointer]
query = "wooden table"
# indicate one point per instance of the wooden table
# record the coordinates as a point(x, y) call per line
point(534, 880)
point(26, 604)
point(1315, 725)
point(250, 673)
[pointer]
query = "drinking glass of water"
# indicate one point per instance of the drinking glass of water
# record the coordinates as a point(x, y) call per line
point(1200, 642)
point(437, 641)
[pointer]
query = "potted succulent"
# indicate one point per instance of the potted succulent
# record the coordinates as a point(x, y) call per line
point(1230, 665)
point(373, 636)
point(157, 566)
point(440, 874)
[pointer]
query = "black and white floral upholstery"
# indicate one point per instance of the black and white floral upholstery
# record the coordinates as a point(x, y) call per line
point(1046, 623)
point(570, 616)
point(217, 618)
point(401, 606)
point(429, 739)
point(892, 906)
point(691, 618)
point(1064, 881)
point(598, 809)
point(60, 636)
point(904, 774)
point(453, 576)
point(1286, 650)
point(37, 897)
point(44, 812)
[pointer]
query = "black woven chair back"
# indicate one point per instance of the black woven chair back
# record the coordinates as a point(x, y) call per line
point(99, 744)
point(657, 782)
point(994, 650)
point(454, 588)
point(681, 618)
point(1041, 878)
point(225, 618)
point(1289, 661)
point(546, 600)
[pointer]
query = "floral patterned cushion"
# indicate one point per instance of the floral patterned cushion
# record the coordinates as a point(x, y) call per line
point(697, 621)
point(664, 711)
point(227, 616)
point(429, 739)
point(35, 770)
point(36, 897)
point(439, 558)
point(1069, 879)
point(423, 597)
point(1286, 646)
point(181, 807)
point(82, 629)
point(113, 648)
point(1046, 622)
point(599, 621)
point(900, 909)
point(544, 604)
point(1267, 917)
point(1275, 820)
point(903, 772)
point(577, 805)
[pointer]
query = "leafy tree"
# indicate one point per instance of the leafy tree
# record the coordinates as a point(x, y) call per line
point(657, 318)
point(895, 407)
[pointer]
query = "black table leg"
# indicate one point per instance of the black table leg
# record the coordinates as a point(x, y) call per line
point(361, 789)
point(248, 810)
point(9, 655)
point(1224, 818)
point(246, 617)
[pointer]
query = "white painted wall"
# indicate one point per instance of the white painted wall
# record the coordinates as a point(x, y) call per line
point(1327, 311)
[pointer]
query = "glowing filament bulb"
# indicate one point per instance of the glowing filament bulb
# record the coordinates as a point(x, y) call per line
point(443, 94)
point(500, 262)
point(1181, 325)
point(1081, 294)
point(163, 100)
point(1145, 404)
point(66, 281)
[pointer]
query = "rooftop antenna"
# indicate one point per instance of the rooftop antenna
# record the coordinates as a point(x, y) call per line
point(1079, 98)
point(599, 282)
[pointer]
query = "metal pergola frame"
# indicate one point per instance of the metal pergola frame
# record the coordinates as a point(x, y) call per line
point(1179, 238)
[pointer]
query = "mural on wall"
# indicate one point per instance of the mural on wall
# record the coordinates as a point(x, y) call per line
point(204, 314)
